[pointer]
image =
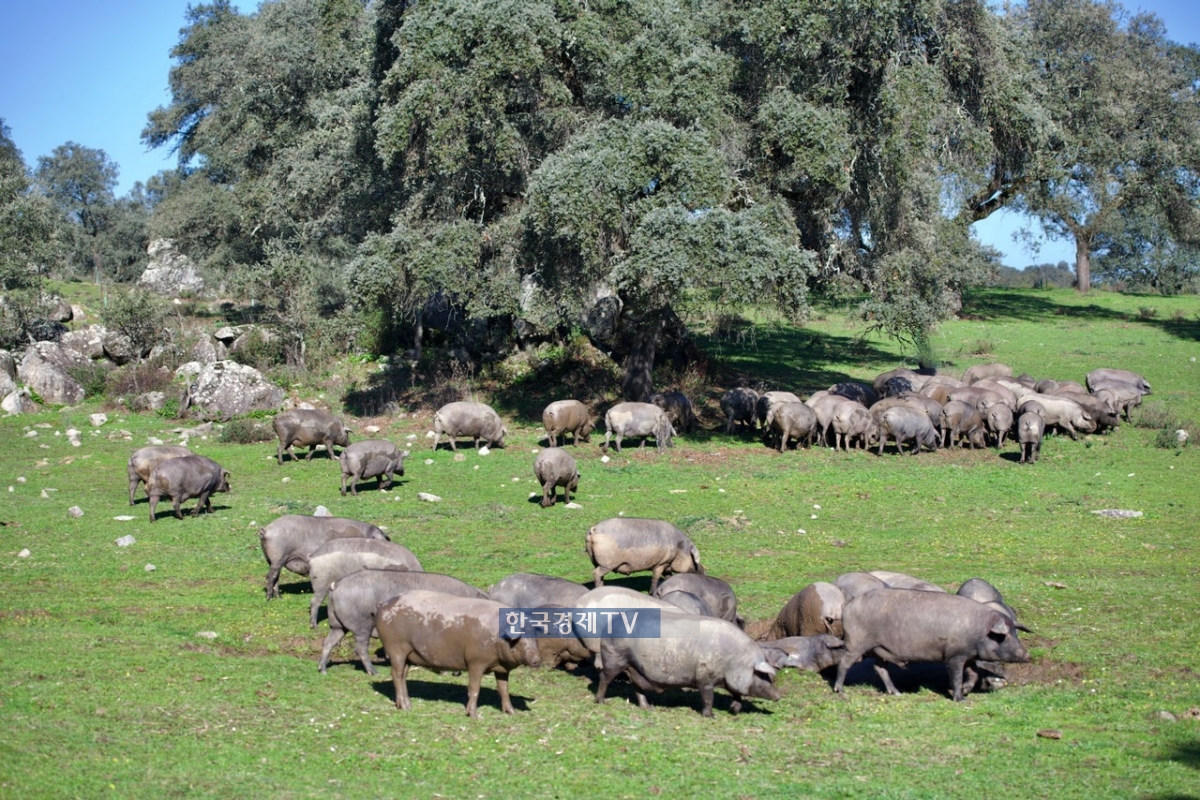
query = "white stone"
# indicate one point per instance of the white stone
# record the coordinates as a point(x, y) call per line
point(21, 479)
point(428, 498)
point(150, 568)
point(573, 504)
point(75, 511)
point(24, 553)
point(285, 480)
point(207, 634)
point(516, 480)
point(154, 440)
point(322, 511)
point(125, 541)
point(123, 518)
point(483, 451)
point(430, 435)
point(428, 461)
point(31, 435)
point(97, 419)
point(1181, 436)
point(410, 437)
point(605, 459)
point(476, 466)
point(371, 429)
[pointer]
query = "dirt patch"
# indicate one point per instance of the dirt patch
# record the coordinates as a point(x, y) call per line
point(1044, 672)
point(759, 628)
point(24, 614)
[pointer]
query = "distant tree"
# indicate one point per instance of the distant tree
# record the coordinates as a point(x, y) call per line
point(1144, 254)
point(80, 181)
point(1125, 153)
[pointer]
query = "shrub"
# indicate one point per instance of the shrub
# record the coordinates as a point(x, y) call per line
point(140, 317)
point(1146, 312)
point(93, 378)
point(982, 347)
point(138, 378)
point(246, 431)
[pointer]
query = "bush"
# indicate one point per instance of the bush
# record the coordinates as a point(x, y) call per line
point(138, 378)
point(93, 378)
point(246, 431)
point(140, 317)
point(1156, 416)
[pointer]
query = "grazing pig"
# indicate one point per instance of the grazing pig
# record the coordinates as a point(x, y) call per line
point(530, 590)
point(898, 580)
point(858, 392)
point(1064, 413)
point(1096, 408)
point(999, 421)
point(824, 407)
point(1117, 396)
point(186, 477)
point(902, 625)
point(995, 387)
point(1117, 375)
point(338, 558)
point(981, 591)
point(1030, 430)
point(739, 405)
point(981, 371)
point(609, 597)
point(678, 408)
point(791, 421)
point(353, 599)
point(961, 420)
point(716, 593)
point(444, 632)
point(768, 399)
point(689, 603)
point(815, 609)
point(851, 421)
point(906, 424)
point(853, 584)
point(555, 467)
point(308, 427)
point(557, 651)
point(290, 540)
point(628, 544)
point(701, 652)
point(145, 459)
point(638, 419)
point(373, 458)
point(812, 653)
point(567, 415)
point(476, 420)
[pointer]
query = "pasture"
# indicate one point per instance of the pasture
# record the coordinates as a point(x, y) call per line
point(106, 685)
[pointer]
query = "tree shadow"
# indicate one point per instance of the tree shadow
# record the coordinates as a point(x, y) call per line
point(452, 693)
point(795, 359)
point(1186, 753)
point(991, 305)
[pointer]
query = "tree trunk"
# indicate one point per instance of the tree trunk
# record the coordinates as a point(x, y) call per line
point(1083, 265)
point(638, 383)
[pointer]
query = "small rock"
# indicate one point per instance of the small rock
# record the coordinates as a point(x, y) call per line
point(605, 459)
point(12, 488)
point(483, 451)
point(476, 466)
point(150, 568)
point(459, 457)
point(817, 507)
point(428, 498)
point(287, 480)
point(97, 419)
point(125, 541)
point(24, 553)
point(410, 437)
point(430, 434)
point(207, 634)
point(801, 530)
point(1050, 733)
point(573, 504)
point(813, 516)
point(1055, 585)
point(371, 429)
point(533, 494)
point(1167, 716)
point(534, 451)
point(1118, 513)
point(428, 461)
point(322, 511)
point(154, 440)
point(1181, 437)
point(679, 491)
point(516, 480)
point(75, 511)
point(21, 479)
point(45, 496)
point(31, 434)
point(123, 518)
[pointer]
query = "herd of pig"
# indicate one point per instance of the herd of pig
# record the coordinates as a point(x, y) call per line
point(377, 588)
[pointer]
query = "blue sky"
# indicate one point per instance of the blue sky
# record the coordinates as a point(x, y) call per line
point(90, 72)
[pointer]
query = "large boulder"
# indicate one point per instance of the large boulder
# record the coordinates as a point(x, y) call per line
point(8, 364)
point(226, 388)
point(208, 350)
point(7, 384)
point(44, 369)
point(59, 310)
point(88, 341)
point(169, 271)
point(18, 402)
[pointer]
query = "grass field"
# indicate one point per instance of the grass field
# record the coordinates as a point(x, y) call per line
point(107, 688)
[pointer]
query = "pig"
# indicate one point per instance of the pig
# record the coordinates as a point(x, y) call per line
point(898, 580)
point(856, 583)
point(700, 652)
point(555, 467)
point(850, 421)
point(815, 609)
point(338, 558)
point(906, 424)
point(678, 408)
point(567, 415)
point(981, 591)
point(961, 420)
point(981, 371)
point(1030, 430)
point(557, 650)
point(791, 421)
point(689, 603)
point(995, 387)
point(613, 597)
point(476, 420)
point(1066, 414)
point(186, 477)
point(999, 421)
point(915, 380)
point(443, 632)
point(812, 653)
point(308, 427)
point(530, 590)
point(740, 405)
point(372, 458)
point(858, 392)
point(145, 459)
point(824, 407)
point(1117, 396)
point(1096, 408)
point(768, 399)
point(931, 407)
point(716, 593)
point(638, 419)
point(896, 386)
point(291, 539)
point(903, 625)
point(1119, 375)
point(353, 599)
point(628, 544)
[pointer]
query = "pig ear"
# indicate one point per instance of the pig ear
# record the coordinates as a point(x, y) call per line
point(764, 668)
point(1000, 627)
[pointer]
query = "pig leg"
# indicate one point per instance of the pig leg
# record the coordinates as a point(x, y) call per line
point(273, 580)
point(706, 701)
point(474, 679)
point(153, 505)
point(134, 480)
point(502, 687)
point(597, 574)
point(955, 668)
point(400, 680)
point(549, 495)
point(334, 636)
point(178, 501)
point(657, 576)
point(851, 658)
point(362, 641)
point(881, 671)
point(313, 607)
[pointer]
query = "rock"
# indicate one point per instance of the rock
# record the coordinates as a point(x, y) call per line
point(75, 511)
point(87, 341)
point(251, 337)
point(428, 498)
point(125, 541)
point(428, 461)
point(573, 504)
point(24, 553)
point(1181, 437)
point(59, 310)
point(7, 384)
point(605, 459)
point(150, 568)
point(97, 419)
point(207, 634)
point(483, 451)
point(208, 350)
point(78, 313)
point(150, 401)
point(1167, 716)
point(31, 434)
point(459, 457)
point(119, 349)
point(123, 518)
point(1118, 513)
point(229, 334)
point(44, 370)
point(228, 388)
point(169, 271)
point(189, 369)
point(321, 511)
point(8, 364)
point(154, 440)
point(371, 429)
point(19, 402)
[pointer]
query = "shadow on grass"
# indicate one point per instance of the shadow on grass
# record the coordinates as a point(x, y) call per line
point(912, 678)
point(1030, 306)
point(794, 359)
point(1186, 753)
point(622, 689)
point(451, 693)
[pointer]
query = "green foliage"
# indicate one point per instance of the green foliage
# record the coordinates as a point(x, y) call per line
point(30, 230)
point(246, 431)
point(140, 317)
point(93, 378)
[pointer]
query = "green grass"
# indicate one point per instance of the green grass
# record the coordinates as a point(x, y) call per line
point(105, 686)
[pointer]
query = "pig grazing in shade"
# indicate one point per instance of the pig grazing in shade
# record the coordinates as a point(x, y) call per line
point(739, 405)
point(905, 625)
point(628, 544)
point(555, 467)
point(184, 478)
point(372, 458)
point(443, 632)
point(145, 459)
